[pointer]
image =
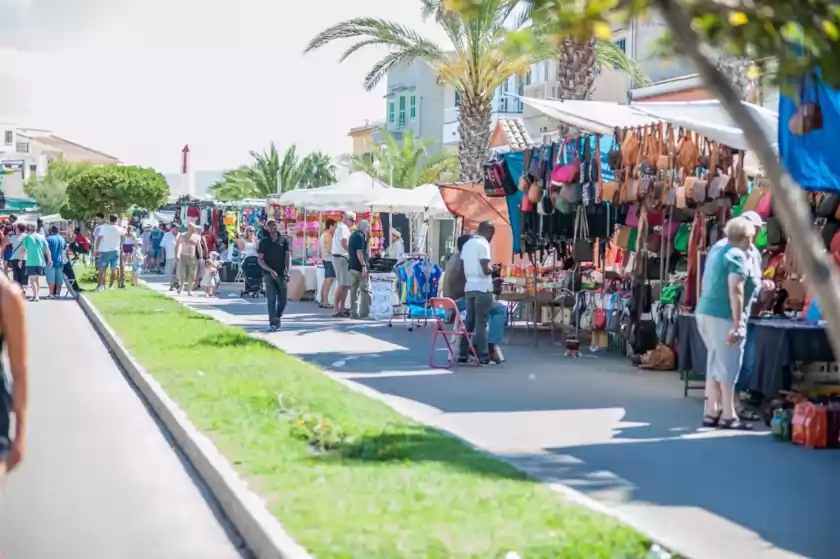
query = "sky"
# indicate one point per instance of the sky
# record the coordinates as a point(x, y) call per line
point(139, 79)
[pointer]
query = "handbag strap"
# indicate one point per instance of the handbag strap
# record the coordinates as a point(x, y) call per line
point(599, 184)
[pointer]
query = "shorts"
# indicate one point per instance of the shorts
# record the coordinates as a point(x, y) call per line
point(154, 253)
point(108, 259)
point(34, 271)
point(342, 270)
point(329, 269)
point(187, 269)
point(55, 276)
point(7, 253)
point(723, 361)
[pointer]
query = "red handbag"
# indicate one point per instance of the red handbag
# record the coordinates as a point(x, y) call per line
point(599, 317)
point(569, 173)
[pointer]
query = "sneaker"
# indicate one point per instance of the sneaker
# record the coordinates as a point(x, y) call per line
point(463, 360)
point(483, 360)
point(274, 328)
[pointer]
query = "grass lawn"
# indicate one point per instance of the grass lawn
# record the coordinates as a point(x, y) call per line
point(346, 475)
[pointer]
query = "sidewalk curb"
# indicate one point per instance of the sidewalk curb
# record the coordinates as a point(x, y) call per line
point(262, 533)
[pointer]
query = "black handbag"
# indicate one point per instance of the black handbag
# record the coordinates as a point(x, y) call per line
point(582, 250)
point(643, 336)
point(775, 234)
point(828, 206)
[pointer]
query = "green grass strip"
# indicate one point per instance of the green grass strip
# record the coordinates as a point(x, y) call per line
point(346, 475)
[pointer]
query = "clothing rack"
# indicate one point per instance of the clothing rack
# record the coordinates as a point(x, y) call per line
point(405, 305)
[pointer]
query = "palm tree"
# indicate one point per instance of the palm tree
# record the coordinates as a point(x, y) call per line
point(320, 170)
point(406, 164)
point(484, 55)
point(268, 174)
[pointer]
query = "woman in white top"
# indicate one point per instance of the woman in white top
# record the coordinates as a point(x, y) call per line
point(248, 245)
point(397, 248)
point(325, 243)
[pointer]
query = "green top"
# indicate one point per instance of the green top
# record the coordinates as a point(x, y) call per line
point(34, 245)
point(725, 259)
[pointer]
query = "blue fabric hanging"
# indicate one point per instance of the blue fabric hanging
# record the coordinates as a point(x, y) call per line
point(515, 164)
point(813, 159)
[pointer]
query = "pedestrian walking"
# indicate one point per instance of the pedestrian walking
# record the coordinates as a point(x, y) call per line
point(170, 265)
point(107, 247)
point(357, 248)
point(341, 263)
point(14, 391)
point(188, 252)
point(58, 254)
point(36, 256)
point(275, 258)
point(17, 264)
point(156, 255)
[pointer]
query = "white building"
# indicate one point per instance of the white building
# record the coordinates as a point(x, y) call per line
point(28, 151)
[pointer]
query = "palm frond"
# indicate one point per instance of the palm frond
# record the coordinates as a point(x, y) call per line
point(609, 55)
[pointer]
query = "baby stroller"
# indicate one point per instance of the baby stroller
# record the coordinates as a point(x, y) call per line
point(253, 276)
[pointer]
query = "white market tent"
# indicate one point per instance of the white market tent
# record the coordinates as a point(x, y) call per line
point(422, 199)
point(708, 118)
point(354, 193)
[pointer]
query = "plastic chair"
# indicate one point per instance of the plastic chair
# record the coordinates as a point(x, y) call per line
point(451, 329)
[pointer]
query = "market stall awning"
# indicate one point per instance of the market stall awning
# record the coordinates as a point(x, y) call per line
point(422, 199)
point(600, 117)
point(710, 119)
point(354, 193)
point(468, 201)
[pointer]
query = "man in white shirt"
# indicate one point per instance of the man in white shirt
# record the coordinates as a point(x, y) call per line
point(478, 293)
point(109, 241)
point(167, 245)
point(341, 263)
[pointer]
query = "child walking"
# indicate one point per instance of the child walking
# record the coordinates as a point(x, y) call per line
point(211, 275)
point(137, 259)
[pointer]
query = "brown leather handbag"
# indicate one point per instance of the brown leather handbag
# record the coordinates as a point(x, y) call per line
point(687, 153)
point(630, 147)
point(609, 191)
point(679, 197)
point(650, 147)
point(808, 116)
point(614, 155)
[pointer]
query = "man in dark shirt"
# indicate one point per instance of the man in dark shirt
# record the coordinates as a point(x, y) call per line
point(209, 237)
point(454, 280)
point(275, 259)
point(359, 277)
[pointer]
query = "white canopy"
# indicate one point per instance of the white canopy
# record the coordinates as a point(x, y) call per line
point(600, 117)
point(425, 199)
point(710, 119)
point(354, 193)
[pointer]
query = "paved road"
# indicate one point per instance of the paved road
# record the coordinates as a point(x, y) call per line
point(100, 480)
point(625, 438)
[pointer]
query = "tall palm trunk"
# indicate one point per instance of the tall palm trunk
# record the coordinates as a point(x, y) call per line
point(576, 69)
point(474, 128)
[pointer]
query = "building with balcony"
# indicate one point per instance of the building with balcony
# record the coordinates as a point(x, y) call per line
point(366, 137)
point(504, 107)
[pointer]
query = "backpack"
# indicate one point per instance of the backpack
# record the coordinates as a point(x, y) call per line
point(497, 180)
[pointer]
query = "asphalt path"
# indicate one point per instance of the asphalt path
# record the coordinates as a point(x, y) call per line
point(101, 480)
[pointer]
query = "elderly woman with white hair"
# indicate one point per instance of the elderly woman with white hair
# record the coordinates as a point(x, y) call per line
point(730, 280)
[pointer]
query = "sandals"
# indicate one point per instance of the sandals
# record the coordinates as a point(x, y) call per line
point(342, 314)
point(711, 420)
point(734, 425)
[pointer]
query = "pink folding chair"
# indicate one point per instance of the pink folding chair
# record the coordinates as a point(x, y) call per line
point(451, 328)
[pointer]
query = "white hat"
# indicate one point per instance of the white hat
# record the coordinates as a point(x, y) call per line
point(754, 218)
point(350, 215)
point(396, 233)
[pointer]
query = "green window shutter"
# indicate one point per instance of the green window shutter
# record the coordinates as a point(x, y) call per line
point(391, 112)
point(402, 112)
point(413, 107)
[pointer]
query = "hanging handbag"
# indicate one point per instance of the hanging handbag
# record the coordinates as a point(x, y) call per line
point(497, 181)
point(828, 206)
point(569, 172)
point(808, 115)
point(524, 182)
point(764, 208)
point(582, 247)
point(650, 147)
point(629, 147)
point(599, 317)
point(687, 153)
point(614, 155)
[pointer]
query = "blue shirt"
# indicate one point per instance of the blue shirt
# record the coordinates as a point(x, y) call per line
point(155, 236)
point(725, 259)
point(57, 246)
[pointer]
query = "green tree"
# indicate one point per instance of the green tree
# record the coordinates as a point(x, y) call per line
point(799, 38)
point(319, 170)
point(268, 173)
point(50, 190)
point(113, 189)
point(236, 184)
point(406, 163)
point(483, 56)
